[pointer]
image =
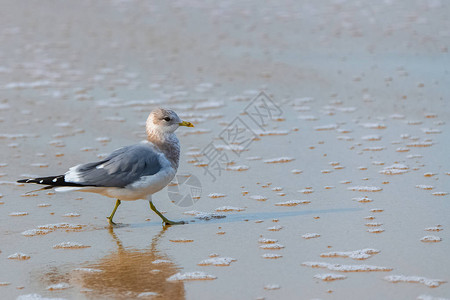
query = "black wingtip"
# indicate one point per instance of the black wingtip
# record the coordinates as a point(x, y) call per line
point(50, 181)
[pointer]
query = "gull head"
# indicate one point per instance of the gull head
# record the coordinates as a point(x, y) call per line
point(164, 121)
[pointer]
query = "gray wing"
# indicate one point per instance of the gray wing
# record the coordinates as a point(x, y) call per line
point(122, 167)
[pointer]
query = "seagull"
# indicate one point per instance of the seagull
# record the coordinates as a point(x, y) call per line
point(131, 172)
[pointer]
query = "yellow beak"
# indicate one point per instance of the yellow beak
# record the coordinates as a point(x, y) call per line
point(187, 124)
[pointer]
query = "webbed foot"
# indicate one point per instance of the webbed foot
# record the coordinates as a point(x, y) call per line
point(169, 223)
point(111, 223)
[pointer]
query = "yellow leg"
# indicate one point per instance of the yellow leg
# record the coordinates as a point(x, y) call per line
point(165, 220)
point(110, 218)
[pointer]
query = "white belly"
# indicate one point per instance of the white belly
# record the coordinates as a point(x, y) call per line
point(143, 188)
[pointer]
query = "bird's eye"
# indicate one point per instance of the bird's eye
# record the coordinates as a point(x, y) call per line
point(167, 119)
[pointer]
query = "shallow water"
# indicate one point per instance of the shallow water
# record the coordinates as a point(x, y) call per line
point(341, 163)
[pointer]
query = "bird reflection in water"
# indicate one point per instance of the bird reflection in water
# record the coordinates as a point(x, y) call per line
point(129, 273)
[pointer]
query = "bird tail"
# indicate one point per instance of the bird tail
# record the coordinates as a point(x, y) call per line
point(51, 181)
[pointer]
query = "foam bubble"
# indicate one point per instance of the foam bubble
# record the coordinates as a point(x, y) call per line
point(425, 187)
point(271, 132)
point(181, 240)
point(87, 270)
point(18, 214)
point(395, 169)
point(356, 254)
point(103, 139)
point(237, 168)
point(271, 256)
point(364, 199)
point(232, 147)
point(19, 256)
point(431, 239)
point(372, 137)
point(292, 203)
point(188, 276)
point(71, 215)
point(374, 125)
point(70, 245)
point(310, 235)
point(431, 131)
point(204, 215)
point(361, 188)
point(329, 277)
point(216, 195)
point(258, 198)
point(275, 228)
point(279, 160)
point(273, 246)
point(147, 295)
point(347, 268)
point(272, 287)
point(429, 174)
point(415, 279)
point(435, 228)
point(440, 194)
point(374, 148)
point(229, 208)
point(306, 191)
point(59, 286)
point(217, 261)
point(326, 127)
point(420, 144)
point(267, 241)
point(373, 224)
point(34, 232)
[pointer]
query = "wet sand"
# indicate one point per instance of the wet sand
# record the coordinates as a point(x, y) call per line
point(328, 123)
